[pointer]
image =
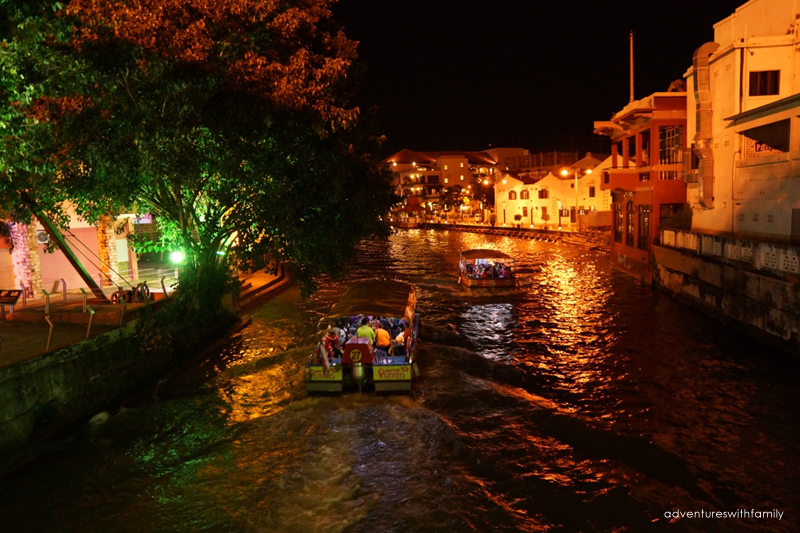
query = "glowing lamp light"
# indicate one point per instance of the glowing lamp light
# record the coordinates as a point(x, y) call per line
point(504, 182)
point(176, 257)
point(564, 172)
point(486, 182)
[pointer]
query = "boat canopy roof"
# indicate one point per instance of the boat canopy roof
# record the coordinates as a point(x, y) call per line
point(376, 298)
point(485, 254)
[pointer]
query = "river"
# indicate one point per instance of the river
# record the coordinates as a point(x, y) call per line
point(581, 401)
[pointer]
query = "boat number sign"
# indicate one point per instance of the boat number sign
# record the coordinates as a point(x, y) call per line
point(356, 355)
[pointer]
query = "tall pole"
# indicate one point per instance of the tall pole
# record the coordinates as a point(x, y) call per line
point(631, 60)
point(576, 197)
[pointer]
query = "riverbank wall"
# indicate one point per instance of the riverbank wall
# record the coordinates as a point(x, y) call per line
point(50, 393)
point(748, 284)
point(596, 239)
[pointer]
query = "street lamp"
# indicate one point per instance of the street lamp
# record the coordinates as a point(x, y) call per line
point(565, 172)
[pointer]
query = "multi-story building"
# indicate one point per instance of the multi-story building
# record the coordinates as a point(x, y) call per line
point(552, 198)
point(645, 178)
point(425, 174)
point(745, 136)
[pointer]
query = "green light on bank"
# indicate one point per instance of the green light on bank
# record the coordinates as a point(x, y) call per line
point(176, 257)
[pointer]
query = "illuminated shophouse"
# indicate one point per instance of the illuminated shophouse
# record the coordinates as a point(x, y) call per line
point(646, 174)
point(555, 196)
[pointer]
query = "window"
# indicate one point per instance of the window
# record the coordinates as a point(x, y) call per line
point(669, 175)
point(462, 165)
point(643, 242)
point(512, 195)
point(765, 82)
point(591, 192)
point(670, 145)
point(618, 222)
point(462, 176)
point(544, 213)
point(524, 211)
point(669, 211)
point(629, 224)
point(446, 180)
point(543, 193)
point(644, 176)
point(525, 195)
point(445, 167)
point(433, 178)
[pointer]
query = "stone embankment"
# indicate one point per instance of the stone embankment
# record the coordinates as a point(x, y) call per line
point(45, 393)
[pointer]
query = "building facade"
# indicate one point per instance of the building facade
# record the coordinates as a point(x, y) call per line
point(743, 164)
point(645, 177)
point(425, 175)
point(26, 264)
point(552, 199)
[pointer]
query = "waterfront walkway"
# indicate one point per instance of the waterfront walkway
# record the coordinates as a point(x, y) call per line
point(24, 335)
point(596, 240)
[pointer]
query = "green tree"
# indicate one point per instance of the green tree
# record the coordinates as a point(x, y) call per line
point(227, 120)
point(451, 197)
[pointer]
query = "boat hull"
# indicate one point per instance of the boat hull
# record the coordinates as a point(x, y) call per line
point(493, 282)
point(320, 380)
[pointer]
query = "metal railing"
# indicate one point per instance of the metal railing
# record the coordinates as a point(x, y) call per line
point(166, 278)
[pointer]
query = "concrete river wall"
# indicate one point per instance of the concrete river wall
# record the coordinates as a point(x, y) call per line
point(45, 394)
point(748, 284)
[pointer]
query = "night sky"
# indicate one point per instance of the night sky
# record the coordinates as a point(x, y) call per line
point(464, 75)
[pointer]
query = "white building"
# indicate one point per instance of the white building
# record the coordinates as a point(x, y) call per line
point(743, 166)
point(550, 200)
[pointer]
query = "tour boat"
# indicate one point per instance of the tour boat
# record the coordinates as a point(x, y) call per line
point(360, 365)
point(486, 268)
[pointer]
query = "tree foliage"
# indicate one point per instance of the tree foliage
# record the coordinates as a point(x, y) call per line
point(482, 192)
point(227, 119)
point(451, 197)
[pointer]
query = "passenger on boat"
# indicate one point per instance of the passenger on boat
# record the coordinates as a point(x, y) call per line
point(339, 328)
point(398, 344)
point(397, 328)
point(366, 331)
point(470, 270)
point(331, 343)
point(382, 339)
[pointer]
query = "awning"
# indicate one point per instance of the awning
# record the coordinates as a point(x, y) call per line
point(782, 109)
point(376, 298)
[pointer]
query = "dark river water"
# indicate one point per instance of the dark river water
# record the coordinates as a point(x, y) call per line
point(582, 401)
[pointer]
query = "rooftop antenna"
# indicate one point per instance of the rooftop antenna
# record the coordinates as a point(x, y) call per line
point(631, 54)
